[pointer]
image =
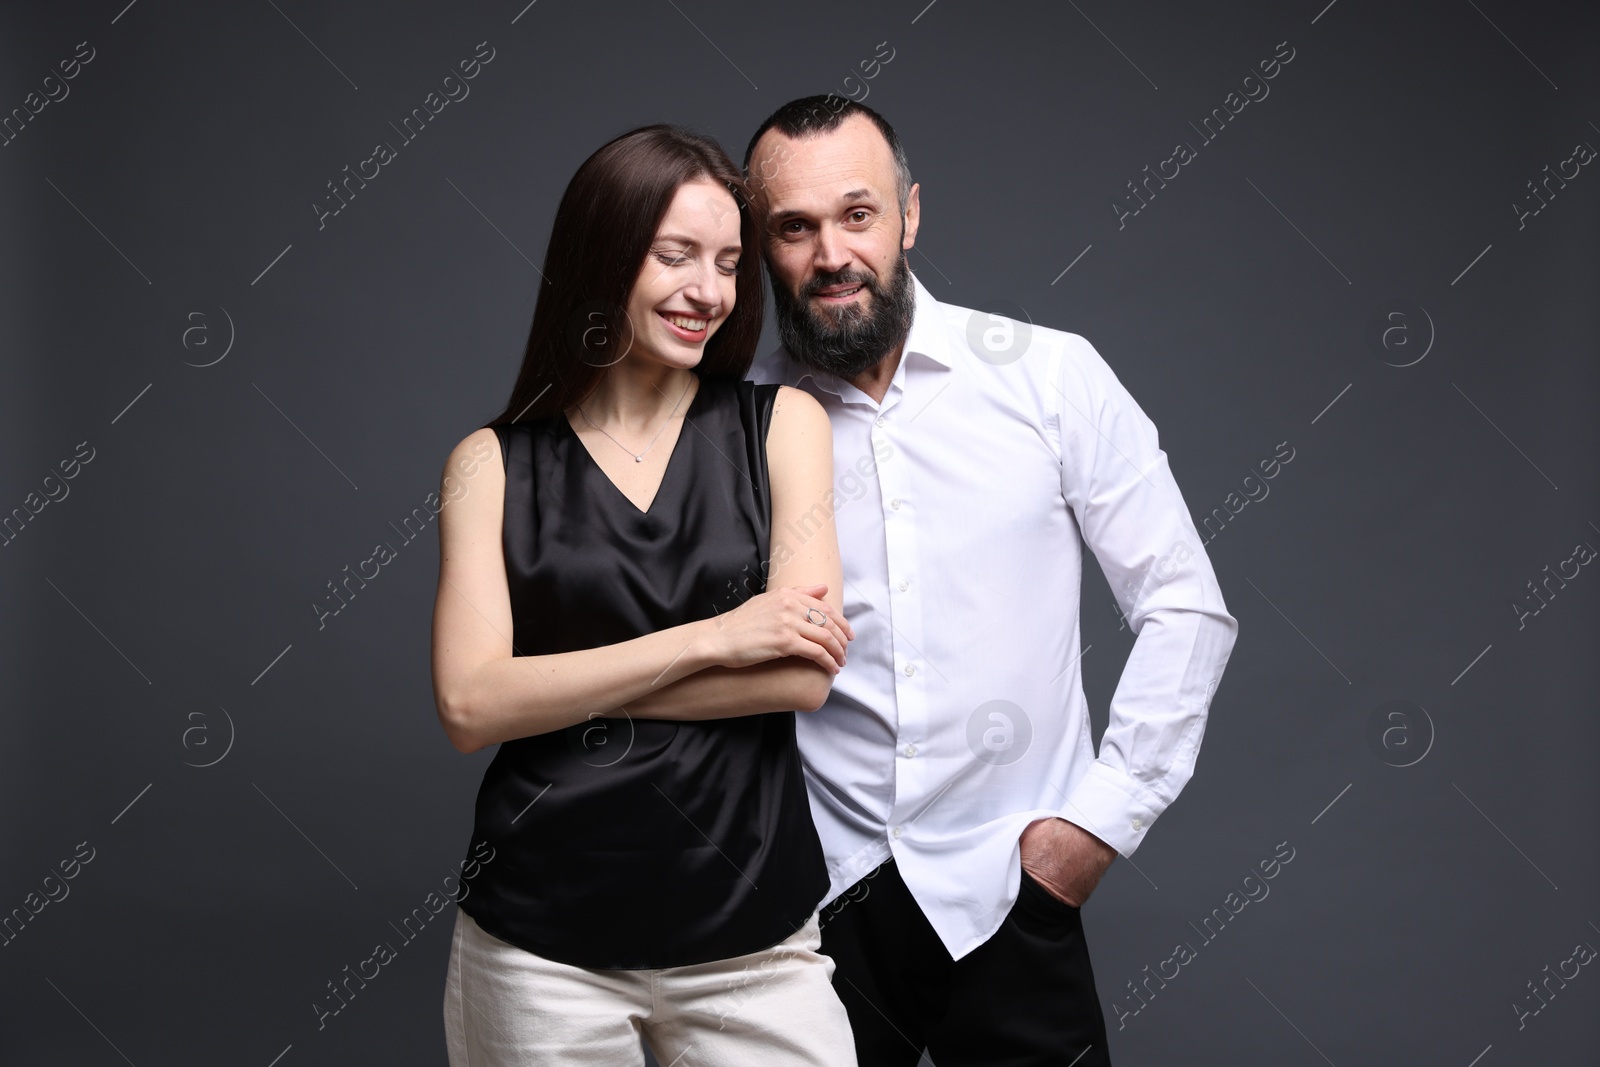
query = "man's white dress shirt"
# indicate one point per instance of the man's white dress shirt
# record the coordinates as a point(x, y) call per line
point(959, 717)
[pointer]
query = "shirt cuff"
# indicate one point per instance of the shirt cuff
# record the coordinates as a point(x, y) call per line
point(1112, 807)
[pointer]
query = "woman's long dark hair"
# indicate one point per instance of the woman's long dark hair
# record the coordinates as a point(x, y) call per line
point(602, 232)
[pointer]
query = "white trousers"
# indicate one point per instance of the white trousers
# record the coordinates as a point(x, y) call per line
point(506, 1007)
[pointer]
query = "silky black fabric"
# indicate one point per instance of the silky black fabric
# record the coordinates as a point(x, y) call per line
point(629, 842)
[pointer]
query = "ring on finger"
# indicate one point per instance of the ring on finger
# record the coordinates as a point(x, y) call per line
point(820, 620)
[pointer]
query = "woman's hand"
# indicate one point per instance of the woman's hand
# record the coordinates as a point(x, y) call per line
point(776, 624)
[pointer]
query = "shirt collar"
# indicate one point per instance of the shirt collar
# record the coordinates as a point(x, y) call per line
point(928, 340)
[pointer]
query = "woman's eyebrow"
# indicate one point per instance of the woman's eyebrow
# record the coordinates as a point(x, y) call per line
point(692, 243)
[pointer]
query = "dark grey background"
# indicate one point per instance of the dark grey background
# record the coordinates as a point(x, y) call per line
point(163, 608)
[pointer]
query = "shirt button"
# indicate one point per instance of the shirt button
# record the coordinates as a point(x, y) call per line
point(895, 833)
point(880, 420)
point(911, 750)
point(904, 585)
point(1138, 824)
point(911, 668)
point(895, 503)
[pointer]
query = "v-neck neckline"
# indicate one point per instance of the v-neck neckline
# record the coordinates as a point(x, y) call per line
point(666, 471)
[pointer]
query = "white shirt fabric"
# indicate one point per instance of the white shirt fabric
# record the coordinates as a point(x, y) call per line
point(959, 717)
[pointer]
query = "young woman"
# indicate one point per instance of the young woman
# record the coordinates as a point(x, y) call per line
point(632, 602)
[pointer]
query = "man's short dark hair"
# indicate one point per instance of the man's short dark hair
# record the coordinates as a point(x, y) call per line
point(811, 115)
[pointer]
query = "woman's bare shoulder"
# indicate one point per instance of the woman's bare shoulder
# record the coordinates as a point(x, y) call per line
point(798, 411)
point(475, 470)
point(799, 436)
point(474, 451)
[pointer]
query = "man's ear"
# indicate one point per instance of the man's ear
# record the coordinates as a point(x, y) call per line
point(913, 217)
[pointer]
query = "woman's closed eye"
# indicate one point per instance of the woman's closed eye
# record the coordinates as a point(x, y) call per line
point(679, 259)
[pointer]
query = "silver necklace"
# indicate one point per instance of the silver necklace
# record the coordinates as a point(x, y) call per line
point(638, 457)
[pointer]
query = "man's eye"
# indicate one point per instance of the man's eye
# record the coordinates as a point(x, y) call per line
point(859, 215)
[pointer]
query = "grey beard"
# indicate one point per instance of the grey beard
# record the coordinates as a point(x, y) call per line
point(853, 340)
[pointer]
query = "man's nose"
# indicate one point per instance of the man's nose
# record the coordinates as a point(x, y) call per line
point(831, 255)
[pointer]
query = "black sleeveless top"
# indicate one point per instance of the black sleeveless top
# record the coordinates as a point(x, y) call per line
point(630, 842)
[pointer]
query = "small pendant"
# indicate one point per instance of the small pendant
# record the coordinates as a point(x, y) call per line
point(638, 459)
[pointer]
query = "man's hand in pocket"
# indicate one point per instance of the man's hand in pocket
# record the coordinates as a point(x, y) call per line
point(1064, 858)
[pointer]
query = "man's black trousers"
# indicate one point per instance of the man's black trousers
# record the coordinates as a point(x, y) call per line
point(1024, 998)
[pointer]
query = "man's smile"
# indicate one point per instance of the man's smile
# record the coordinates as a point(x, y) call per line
point(838, 294)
